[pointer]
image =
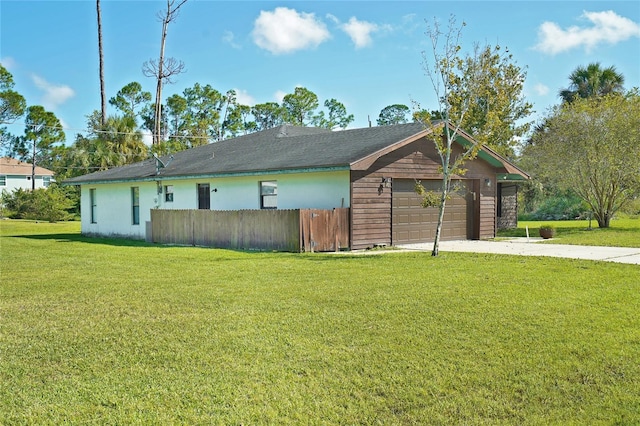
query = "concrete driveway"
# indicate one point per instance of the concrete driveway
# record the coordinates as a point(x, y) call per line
point(531, 247)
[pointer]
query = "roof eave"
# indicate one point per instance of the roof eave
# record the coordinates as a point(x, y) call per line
point(161, 177)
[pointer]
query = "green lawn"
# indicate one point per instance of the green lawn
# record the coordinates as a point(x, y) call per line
point(106, 331)
point(621, 233)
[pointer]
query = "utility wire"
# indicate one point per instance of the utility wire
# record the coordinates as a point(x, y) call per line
point(108, 131)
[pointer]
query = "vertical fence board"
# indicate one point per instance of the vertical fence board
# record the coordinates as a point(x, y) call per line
point(324, 230)
point(243, 229)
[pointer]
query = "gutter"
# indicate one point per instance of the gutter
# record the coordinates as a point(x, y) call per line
point(156, 178)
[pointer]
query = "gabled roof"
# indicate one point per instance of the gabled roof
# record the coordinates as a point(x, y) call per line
point(11, 166)
point(280, 149)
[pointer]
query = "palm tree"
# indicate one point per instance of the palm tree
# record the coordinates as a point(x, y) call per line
point(592, 81)
point(124, 140)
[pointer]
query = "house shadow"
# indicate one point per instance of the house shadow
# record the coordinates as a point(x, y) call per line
point(125, 242)
point(69, 238)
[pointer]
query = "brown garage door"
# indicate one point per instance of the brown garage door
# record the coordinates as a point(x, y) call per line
point(412, 223)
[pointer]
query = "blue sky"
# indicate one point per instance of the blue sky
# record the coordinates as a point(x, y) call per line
point(366, 54)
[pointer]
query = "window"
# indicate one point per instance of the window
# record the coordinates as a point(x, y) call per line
point(203, 196)
point(46, 181)
point(3, 180)
point(269, 194)
point(135, 205)
point(94, 205)
point(168, 193)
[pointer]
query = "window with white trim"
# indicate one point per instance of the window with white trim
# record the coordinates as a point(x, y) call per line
point(3, 180)
point(168, 193)
point(269, 194)
point(46, 181)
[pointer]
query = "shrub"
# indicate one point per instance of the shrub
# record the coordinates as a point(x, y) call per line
point(51, 204)
point(559, 207)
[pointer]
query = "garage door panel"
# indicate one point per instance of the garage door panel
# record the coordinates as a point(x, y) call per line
point(412, 223)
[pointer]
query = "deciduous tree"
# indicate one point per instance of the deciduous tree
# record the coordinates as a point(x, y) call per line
point(453, 79)
point(497, 114)
point(592, 146)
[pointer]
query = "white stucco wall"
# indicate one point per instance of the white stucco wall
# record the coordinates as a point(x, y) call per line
point(13, 182)
point(321, 190)
point(114, 209)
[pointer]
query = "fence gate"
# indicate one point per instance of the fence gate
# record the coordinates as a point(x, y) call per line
point(324, 230)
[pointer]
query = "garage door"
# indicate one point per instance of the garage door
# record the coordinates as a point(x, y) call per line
point(412, 223)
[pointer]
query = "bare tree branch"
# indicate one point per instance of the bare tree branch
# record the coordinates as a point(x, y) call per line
point(163, 69)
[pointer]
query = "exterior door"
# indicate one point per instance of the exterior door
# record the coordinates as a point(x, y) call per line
point(204, 196)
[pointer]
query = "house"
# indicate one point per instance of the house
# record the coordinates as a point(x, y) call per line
point(371, 170)
point(16, 174)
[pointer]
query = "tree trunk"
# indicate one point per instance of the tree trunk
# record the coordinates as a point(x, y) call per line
point(103, 98)
point(604, 220)
point(446, 178)
point(436, 241)
point(157, 131)
point(33, 168)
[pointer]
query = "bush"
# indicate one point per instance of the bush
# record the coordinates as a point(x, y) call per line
point(559, 207)
point(51, 204)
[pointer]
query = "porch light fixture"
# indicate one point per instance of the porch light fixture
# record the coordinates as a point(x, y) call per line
point(386, 182)
point(487, 182)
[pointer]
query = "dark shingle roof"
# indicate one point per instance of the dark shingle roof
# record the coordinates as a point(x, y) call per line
point(281, 148)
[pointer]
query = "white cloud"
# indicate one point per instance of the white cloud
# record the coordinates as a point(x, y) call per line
point(359, 31)
point(409, 23)
point(244, 98)
point(279, 96)
point(541, 89)
point(147, 139)
point(54, 95)
point(285, 30)
point(229, 38)
point(607, 27)
point(8, 62)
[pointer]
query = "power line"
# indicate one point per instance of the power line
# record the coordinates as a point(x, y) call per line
point(110, 132)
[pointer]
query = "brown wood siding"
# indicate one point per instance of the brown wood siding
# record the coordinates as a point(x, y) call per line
point(371, 208)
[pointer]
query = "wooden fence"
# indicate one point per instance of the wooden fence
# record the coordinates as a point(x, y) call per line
point(280, 230)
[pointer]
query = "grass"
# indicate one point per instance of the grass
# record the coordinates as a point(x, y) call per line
point(621, 233)
point(118, 332)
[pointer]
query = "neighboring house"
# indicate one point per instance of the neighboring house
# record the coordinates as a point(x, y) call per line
point(370, 170)
point(16, 174)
